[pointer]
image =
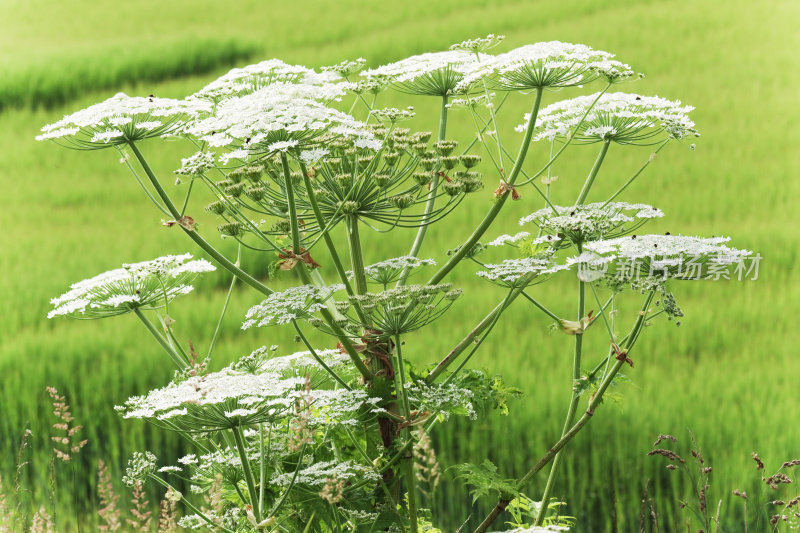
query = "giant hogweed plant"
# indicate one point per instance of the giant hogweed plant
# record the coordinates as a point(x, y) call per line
point(324, 439)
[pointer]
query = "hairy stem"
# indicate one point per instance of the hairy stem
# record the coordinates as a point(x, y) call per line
point(248, 472)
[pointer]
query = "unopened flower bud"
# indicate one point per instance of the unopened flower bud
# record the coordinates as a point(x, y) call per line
point(422, 178)
point(231, 229)
point(453, 188)
point(470, 160)
point(402, 200)
point(446, 147)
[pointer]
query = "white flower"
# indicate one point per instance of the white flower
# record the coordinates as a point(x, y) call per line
point(516, 272)
point(667, 247)
point(621, 117)
point(278, 113)
point(145, 284)
point(319, 473)
point(293, 303)
point(509, 239)
point(242, 395)
point(315, 155)
point(592, 221)
point(196, 164)
point(649, 260)
point(282, 146)
point(239, 81)
point(436, 73)
point(389, 270)
point(547, 64)
point(122, 119)
point(480, 44)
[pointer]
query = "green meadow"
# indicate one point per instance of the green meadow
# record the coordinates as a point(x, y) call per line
point(730, 373)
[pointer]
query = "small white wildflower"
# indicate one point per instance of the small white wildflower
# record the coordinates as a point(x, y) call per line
point(315, 155)
point(196, 164)
point(192, 521)
point(167, 469)
point(278, 113)
point(282, 146)
point(346, 68)
point(140, 466)
point(480, 44)
point(190, 459)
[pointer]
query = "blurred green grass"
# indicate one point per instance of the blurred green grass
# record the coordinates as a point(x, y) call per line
point(729, 372)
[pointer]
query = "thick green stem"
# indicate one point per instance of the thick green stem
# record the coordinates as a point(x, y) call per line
point(466, 247)
point(593, 173)
point(594, 403)
point(429, 204)
point(179, 361)
point(412, 496)
point(202, 243)
point(356, 256)
point(340, 334)
point(573, 404)
point(337, 262)
point(248, 472)
point(294, 225)
point(400, 383)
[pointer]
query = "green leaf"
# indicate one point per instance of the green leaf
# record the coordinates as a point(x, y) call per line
point(485, 480)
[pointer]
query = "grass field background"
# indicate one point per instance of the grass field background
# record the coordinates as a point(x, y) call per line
point(730, 372)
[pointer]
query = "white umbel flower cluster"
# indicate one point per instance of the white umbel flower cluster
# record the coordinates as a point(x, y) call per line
point(147, 284)
point(280, 113)
point(620, 117)
point(196, 164)
point(244, 80)
point(592, 221)
point(122, 119)
point(295, 302)
point(320, 473)
point(649, 260)
point(435, 73)
point(389, 270)
point(520, 272)
point(236, 396)
point(669, 247)
point(547, 64)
